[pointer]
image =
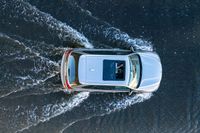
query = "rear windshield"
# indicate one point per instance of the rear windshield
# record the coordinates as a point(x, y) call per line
point(113, 70)
point(71, 69)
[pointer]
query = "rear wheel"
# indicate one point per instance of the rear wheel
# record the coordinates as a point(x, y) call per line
point(66, 91)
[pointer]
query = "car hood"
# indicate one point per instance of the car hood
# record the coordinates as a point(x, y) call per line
point(151, 71)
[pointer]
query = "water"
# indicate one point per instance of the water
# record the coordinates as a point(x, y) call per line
point(34, 34)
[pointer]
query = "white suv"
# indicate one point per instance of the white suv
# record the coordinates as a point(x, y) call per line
point(110, 70)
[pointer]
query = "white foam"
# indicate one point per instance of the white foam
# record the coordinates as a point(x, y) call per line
point(35, 82)
point(22, 9)
point(65, 32)
point(114, 34)
point(117, 105)
point(128, 101)
point(24, 77)
point(29, 50)
point(21, 80)
point(12, 91)
point(50, 111)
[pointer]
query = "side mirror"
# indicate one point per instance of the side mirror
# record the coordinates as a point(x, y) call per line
point(130, 93)
point(132, 49)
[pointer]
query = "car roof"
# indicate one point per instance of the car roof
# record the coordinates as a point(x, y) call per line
point(90, 69)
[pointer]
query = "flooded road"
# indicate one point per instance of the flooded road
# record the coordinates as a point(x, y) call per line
point(35, 33)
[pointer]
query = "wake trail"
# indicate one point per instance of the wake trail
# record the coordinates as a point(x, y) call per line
point(91, 26)
point(113, 107)
point(48, 110)
point(27, 54)
point(94, 29)
point(128, 101)
point(21, 10)
point(51, 111)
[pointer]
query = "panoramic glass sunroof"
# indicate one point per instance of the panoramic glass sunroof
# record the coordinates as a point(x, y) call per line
point(113, 70)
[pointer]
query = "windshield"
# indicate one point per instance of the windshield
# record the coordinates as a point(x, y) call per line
point(134, 76)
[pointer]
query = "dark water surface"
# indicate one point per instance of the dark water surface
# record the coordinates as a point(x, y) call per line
point(35, 33)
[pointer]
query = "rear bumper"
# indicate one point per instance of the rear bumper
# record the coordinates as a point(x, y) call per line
point(64, 70)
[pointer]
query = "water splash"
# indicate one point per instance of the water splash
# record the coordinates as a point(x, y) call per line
point(123, 38)
point(110, 107)
point(111, 35)
point(18, 53)
point(127, 101)
point(53, 110)
point(18, 9)
point(93, 27)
